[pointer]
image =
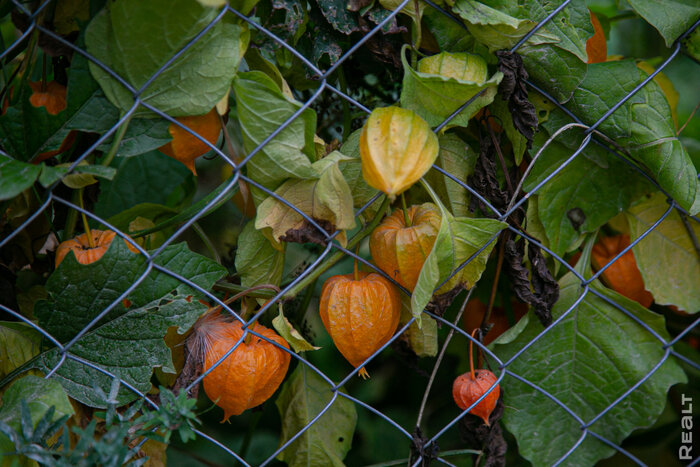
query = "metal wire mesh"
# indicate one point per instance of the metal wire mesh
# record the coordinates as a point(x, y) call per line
point(592, 136)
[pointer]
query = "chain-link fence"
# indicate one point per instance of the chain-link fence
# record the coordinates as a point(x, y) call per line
point(502, 367)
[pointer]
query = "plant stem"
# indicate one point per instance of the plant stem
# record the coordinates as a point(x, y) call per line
point(207, 242)
point(678, 133)
point(71, 218)
point(471, 356)
point(116, 142)
point(355, 272)
point(86, 225)
point(456, 452)
point(337, 256)
point(43, 73)
point(417, 35)
point(223, 286)
point(301, 310)
point(406, 219)
point(249, 434)
point(691, 233)
point(434, 196)
point(438, 361)
point(347, 120)
point(501, 159)
point(497, 276)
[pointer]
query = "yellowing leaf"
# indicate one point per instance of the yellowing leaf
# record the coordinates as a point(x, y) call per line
point(291, 335)
point(213, 3)
point(666, 257)
point(326, 198)
point(18, 343)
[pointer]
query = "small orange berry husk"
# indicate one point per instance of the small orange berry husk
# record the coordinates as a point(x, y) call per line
point(360, 315)
point(52, 97)
point(466, 390)
point(80, 246)
point(623, 275)
point(185, 147)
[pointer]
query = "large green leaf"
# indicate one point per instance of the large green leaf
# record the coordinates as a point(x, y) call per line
point(666, 257)
point(303, 396)
point(571, 27)
point(262, 108)
point(29, 131)
point(643, 125)
point(586, 194)
point(135, 39)
point(436, 97)
point(127, 342)
point(325, 198)
point(458, 159)
point(40, 395)
point(142, 135)
point(16, 176)
point(586, 361)
point(490, 26)
point(558, 48)
point(457, 240)
point(19, 342)
point(258, 260)
point(670, 17)
point(544, 61)
point(448, 34)
point(423, 339)
point(150, 177)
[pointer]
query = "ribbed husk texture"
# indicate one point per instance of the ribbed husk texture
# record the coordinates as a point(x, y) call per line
point(250, 374)
point(397, 148)
point(466, 390)
point(400, 250)
point(360, 315)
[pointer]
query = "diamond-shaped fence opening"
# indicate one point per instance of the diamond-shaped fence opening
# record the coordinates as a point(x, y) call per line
point(575, 376)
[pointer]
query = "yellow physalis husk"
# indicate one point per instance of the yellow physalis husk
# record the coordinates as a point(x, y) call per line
point(397, 148)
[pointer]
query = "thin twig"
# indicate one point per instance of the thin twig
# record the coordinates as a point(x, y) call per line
point(456, 452)
point(534, 159)
point(494, 286)
point(691, 233)
point(689, 119)
point(223, 286)
point(207, 241)
point(440, 357)
point(500, 156)
point(337, 256)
